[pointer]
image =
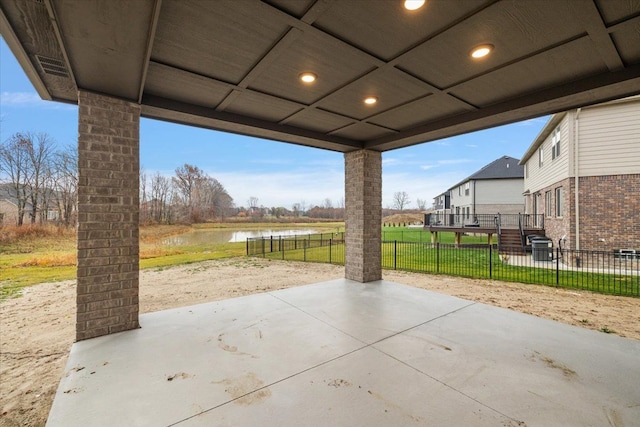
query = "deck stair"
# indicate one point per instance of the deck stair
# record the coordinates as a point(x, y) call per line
point(512, 239)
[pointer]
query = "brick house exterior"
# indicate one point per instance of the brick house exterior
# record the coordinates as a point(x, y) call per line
point(583, 173)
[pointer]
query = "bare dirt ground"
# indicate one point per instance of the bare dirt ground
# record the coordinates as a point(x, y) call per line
point(37, 329)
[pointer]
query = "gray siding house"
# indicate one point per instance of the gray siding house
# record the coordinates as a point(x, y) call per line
point(496, 188)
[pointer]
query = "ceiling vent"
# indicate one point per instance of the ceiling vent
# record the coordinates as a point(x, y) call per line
point(52, 66)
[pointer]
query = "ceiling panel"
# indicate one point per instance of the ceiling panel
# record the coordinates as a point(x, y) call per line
point(318, 120)
point(565, 63)
point(181, 86)
point(392, 88)
point(515, 28)
point(296, 8)
point(614, 11)
point(627, 41)
point(368, 27)
point(333, 62)
point(203, 36)
point(261, 106)
point(362, 132)
point(110, 60)
point(433, 107)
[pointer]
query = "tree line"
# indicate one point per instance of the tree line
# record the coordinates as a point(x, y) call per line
point(190, 195)
point(39, 179)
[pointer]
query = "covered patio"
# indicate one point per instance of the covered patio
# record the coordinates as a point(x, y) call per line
point(355, 77)
point(350, 354)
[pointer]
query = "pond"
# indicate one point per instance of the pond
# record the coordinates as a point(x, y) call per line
point(204, 237)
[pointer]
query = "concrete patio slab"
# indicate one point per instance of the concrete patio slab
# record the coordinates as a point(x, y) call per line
point(347, 353)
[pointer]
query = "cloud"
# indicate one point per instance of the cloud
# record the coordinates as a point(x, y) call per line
point(454, 161)
point(29, 100)
point(471, 145)
point(531, 122)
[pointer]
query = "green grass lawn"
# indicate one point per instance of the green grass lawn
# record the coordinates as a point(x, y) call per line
point(33, 254)
point(474, 263)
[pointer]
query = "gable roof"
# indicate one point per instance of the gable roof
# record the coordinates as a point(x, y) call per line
point(503, 168)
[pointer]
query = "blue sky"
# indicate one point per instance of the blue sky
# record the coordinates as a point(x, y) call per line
point(278, 174)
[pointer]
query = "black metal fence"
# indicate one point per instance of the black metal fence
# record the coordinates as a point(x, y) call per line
point(261, 246)
point(598, 271)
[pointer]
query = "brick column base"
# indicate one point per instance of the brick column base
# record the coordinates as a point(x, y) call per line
point(108, 212)
point(363, 202)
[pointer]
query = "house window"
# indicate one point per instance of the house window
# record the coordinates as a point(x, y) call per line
point(547, 204)
point(541, 156)
point(466, 189)
point(559, 202)
point(468, 212)
point(555, 143)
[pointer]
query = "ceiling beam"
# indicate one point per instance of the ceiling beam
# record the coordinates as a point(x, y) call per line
point(588, 13)
point(155, 16)
point(178, 112)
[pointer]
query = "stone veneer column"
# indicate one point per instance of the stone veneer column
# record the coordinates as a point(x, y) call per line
point(108, 213)
point(363, 200)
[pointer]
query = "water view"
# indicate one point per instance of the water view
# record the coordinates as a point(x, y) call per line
point(201, 237)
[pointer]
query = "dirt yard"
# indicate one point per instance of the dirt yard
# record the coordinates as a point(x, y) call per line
point(37, 329)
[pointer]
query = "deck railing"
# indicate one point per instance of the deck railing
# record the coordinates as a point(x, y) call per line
point(528, 221)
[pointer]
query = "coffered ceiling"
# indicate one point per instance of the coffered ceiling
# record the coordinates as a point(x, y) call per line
point(235, 65)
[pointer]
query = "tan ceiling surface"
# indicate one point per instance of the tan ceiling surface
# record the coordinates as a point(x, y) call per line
point(234, 65)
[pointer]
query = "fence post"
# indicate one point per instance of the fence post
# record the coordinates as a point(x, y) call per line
point(247, 247)
point(271, 246)
point(490, 262)
point(395, 254)
point(262, 247)
point(304, 250)
point(281, 247)
point(437, 257)
point(330, 244)
point(557, 267)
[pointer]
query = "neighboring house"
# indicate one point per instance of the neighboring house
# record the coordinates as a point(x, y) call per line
point(9, 209)
point(442, 204)
point(600, 145)
point(496, 188)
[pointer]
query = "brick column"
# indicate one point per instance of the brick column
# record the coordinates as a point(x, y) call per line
point(108, 211)
point(363, 200)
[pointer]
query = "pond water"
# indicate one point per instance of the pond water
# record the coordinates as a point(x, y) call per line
point(203, 237)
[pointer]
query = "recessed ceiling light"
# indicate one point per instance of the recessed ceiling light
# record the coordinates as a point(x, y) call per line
point(370, 100)
point(308, 77)
point(481, 51)
point(413, 4)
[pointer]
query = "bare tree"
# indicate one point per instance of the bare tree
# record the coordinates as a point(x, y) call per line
point(422, 204)
point(40, 151)
point(14, 164)
point(252, 202)
point(401, 200)
point(186, 183)
point(161, 190)
point(65, 182)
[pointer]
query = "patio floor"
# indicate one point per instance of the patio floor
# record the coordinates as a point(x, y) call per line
point(344, 353)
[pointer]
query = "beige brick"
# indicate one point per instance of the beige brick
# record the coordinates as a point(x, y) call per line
point(363, 202)
point(108, 246)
